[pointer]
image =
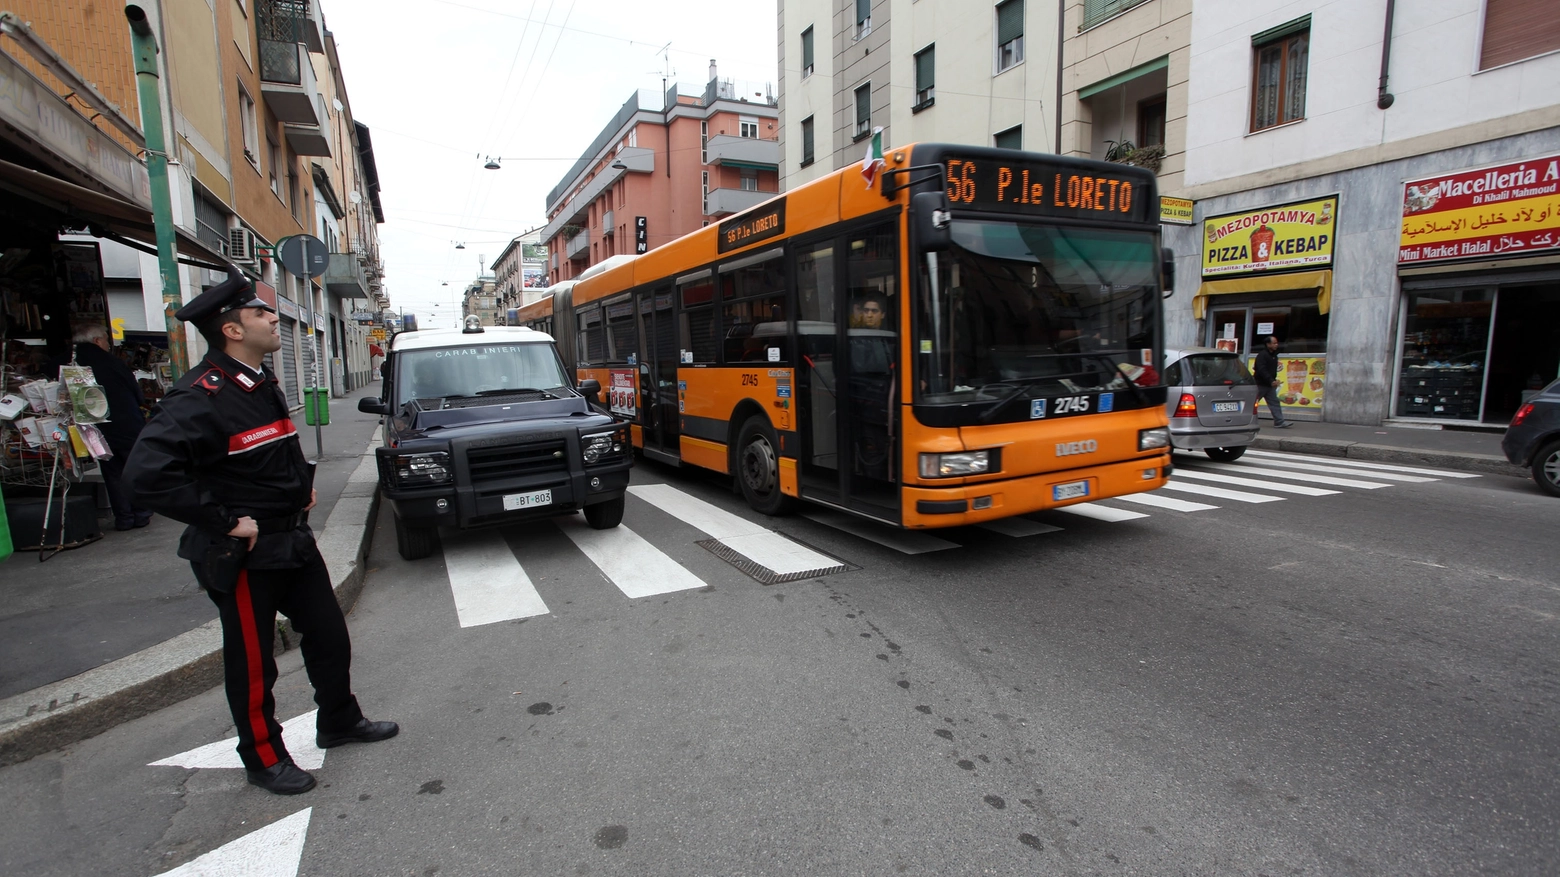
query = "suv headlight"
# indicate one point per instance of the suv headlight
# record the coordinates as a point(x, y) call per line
point(956, 465)
point(1149, 439)
point(603, 447)
point(422, 470)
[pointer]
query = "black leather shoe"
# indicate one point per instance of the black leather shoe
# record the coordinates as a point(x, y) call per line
point(282, 778)
point(363, 732)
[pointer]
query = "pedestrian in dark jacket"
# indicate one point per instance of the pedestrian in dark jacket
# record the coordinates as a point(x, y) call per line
point(124, 419)
point(221, 454)
point(1266, 374)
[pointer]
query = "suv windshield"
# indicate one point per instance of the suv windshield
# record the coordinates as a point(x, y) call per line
point(477, 369)
point(1031, 310)
point(1208, 370)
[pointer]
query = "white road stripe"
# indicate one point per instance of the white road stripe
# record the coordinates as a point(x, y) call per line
point(487, 579)
point(297, 736)
point(273, 851)
point(753, 541)
point(1165, 502)
point(1361, 464)
point(1018, 528)
point(1219, 492)
point(1306, 476)
point(638, 568)
point(1336, 470)
point(1100, 512)
point(1182, 472)
point(903, 541)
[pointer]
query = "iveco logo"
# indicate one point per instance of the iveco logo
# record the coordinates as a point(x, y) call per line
point(1067, 449)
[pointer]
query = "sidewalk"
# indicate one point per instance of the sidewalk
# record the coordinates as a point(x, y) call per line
point(1465, 450)
point(102, 634)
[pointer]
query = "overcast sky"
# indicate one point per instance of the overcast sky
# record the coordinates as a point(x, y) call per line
point(442, 84)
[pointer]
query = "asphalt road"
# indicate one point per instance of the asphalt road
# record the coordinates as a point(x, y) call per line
point(1359, 682)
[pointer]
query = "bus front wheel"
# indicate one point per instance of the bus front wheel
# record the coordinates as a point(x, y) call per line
point(758, 468)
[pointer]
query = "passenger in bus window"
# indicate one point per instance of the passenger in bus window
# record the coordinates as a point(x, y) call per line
point(873, 310)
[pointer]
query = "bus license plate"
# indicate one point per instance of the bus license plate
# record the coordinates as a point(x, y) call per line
point(532, 500)
point(1071, 490)
point(1226, 407)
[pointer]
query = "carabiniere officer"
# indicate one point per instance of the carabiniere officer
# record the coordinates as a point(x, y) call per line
point(221, 455)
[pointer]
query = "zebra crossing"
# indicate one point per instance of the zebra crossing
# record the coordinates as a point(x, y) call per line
point(489, 583)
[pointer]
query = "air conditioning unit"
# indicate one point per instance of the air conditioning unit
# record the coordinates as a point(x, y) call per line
point(241, 246)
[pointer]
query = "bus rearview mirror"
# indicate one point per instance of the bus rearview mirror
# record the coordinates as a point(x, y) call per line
point(933, 223)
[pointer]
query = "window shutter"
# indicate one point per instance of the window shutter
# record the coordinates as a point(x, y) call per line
point(1517, 29)
point(807, 48)
point(925, 69)
point(863, 104)
point(863, 10)
point(1010, 21)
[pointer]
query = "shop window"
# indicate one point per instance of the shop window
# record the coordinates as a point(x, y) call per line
point(1280, 58)
point(1445, 340)
point(1517, 29)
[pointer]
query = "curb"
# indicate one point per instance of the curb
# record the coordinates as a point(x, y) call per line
point(1484, 464)
point(56, 715)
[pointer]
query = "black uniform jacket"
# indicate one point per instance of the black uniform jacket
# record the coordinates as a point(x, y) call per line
point(222, 445)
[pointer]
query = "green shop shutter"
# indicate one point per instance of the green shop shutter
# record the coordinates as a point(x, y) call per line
point(1010, 21)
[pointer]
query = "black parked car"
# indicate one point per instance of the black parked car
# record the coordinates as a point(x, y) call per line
point(484, 427)
point(1533, 438)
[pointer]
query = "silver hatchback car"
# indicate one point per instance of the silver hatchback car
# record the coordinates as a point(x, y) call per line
point(1211, 399)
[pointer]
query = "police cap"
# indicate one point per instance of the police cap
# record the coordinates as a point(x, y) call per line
point(231, 294)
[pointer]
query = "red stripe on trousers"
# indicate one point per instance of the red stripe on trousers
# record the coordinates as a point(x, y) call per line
point(257, 723)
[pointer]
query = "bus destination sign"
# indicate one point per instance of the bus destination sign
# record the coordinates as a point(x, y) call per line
point(1045, 188)
point(755, 226)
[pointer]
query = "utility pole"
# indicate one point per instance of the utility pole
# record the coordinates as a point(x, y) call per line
point(144, 46)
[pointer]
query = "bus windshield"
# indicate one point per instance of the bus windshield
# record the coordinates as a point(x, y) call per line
point(1018, 310)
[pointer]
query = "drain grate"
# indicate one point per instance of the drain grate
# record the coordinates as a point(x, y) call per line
point(764, 574)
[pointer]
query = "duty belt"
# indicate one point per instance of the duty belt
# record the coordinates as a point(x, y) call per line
point(282, 525)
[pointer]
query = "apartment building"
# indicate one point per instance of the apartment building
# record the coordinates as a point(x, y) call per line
point(259, 137)
point(665, 165)
point(521, 271)
point(481, 300)
point(1379, 191)
point(962, 71)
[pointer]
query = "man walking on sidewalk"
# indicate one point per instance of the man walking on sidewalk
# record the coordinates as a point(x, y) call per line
point(221, 454)
point(1266, 374)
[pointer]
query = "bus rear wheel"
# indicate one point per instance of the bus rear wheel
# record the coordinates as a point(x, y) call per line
point(758, 468)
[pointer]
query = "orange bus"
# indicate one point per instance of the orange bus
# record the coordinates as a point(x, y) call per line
point(972, 334)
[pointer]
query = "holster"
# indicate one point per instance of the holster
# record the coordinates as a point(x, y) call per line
point(223, 562)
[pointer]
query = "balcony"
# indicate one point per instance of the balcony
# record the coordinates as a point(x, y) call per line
point(724, 202)
point(635, 160)
point(578, 247)
point(310, 139)
point(607, 225)
point(288, 85)
point(345, 277)
point(730, 151)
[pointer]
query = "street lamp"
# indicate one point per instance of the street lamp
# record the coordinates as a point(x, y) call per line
point(492, 163)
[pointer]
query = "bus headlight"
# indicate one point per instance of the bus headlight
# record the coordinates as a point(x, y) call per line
point(1149, 439)
point(956, 465)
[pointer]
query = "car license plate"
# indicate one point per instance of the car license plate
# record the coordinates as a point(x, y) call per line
point(515, 501)
point(1226, 407)
point(1070, 490)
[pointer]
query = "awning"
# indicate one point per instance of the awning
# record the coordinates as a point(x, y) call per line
point(1321, 281)
point(101, 212)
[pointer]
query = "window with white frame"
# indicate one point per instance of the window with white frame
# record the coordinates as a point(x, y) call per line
point(704, 142)
point(863, 18)
point(747, 126)
point(1010, 34)
point(248, 125)
point(750, 181)
point(864, 110)
point(706, 187)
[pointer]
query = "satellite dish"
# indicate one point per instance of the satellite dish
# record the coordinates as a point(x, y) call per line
point(355, 197)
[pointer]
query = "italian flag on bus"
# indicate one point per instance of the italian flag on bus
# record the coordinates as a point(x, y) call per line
point(873, 163)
